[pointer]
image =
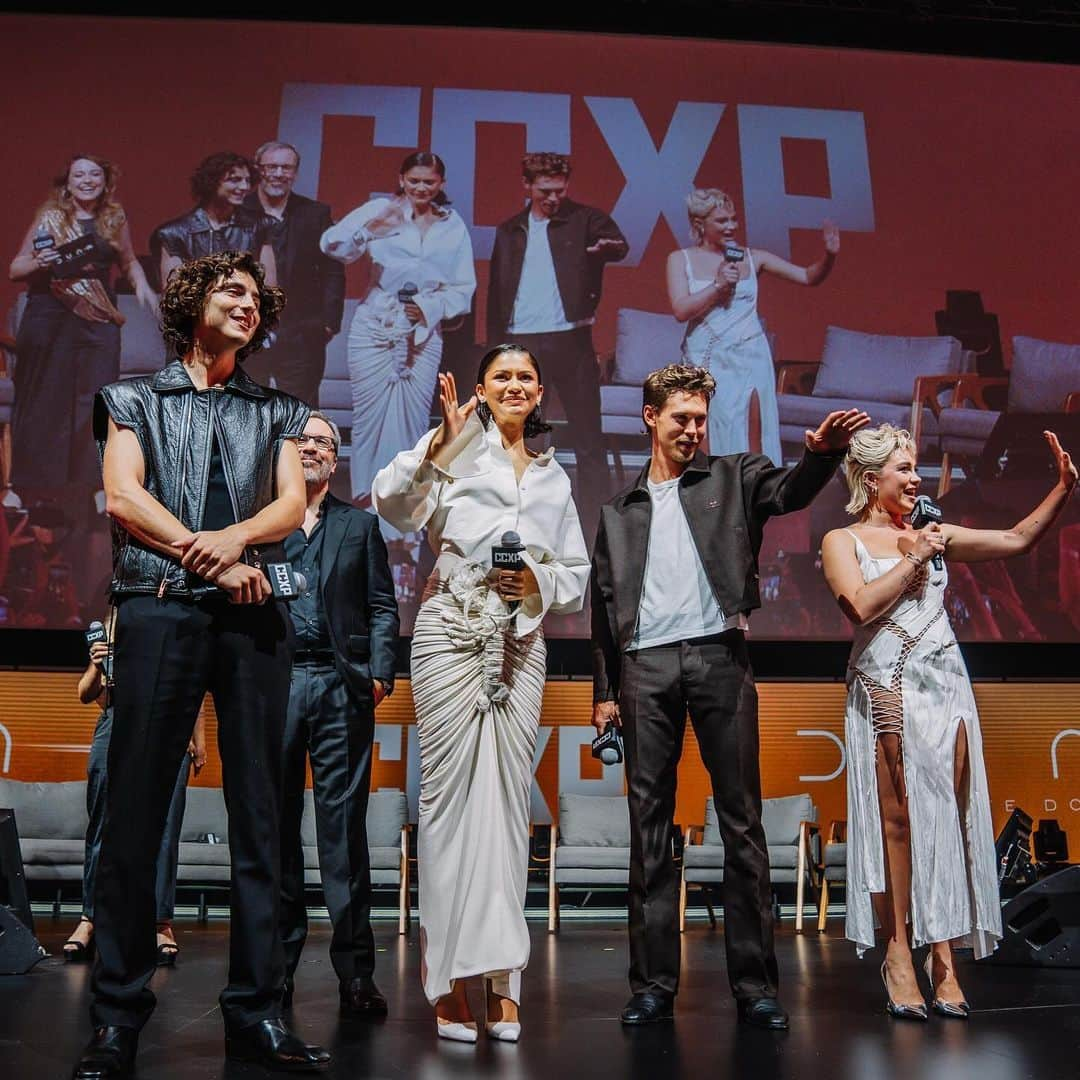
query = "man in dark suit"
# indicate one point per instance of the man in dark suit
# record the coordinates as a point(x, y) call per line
point(675, 576)
point(314, 284)
point(547, 270)
point(346, 635)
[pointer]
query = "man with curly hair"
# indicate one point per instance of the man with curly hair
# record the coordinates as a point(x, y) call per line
point(202, 479)
point(547, 269)
point(219, 221)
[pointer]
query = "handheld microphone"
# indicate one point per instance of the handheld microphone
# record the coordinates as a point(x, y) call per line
point(733, 253)
point(285, 582)
point(95, 632)
point(608, 745)
point(927, 512)
point(507, 555)
point(407, 293)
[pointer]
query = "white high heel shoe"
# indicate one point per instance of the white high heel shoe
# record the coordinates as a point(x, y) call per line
point(500, 1030)
point(449, 1029)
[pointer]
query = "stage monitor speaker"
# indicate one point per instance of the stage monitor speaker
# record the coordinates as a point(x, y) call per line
point(1042, 924)
point(12, 880)
point(19, 949)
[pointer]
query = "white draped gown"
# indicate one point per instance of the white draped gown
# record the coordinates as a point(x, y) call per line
point(393, 364)
point(911, 653)
point(731, 343)
point(478, 674)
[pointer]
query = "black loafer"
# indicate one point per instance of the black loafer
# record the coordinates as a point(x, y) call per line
point(763, 1012)
point(361, 997)
point(272, 1045)
point(110, 1053)
point(649, 1008)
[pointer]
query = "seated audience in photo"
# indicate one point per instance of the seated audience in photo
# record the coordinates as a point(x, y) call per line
point(39, 584)
point(313, 283)
point(68, 340)
point(93, 688)
point(218, 222)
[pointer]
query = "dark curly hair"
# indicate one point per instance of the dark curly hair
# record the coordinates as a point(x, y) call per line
point(544, 163)
point(212, 170)
point(190, 284)
point(534, 422)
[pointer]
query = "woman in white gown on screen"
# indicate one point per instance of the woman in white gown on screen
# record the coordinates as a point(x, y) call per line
point(712, 286)
point(920, 841)
point(414, 244)
point(478, 669)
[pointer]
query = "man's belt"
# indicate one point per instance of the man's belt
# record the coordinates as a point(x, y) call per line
point(314, 656)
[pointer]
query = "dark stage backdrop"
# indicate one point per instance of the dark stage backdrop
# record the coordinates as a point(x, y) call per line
point(943, 175)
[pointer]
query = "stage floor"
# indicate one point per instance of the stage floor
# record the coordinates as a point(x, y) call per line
point(1025, 1023)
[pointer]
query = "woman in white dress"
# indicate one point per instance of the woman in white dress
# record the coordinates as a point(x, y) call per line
point(420, 273)
point(920, 842)
point(712, 287)
point(478, 669)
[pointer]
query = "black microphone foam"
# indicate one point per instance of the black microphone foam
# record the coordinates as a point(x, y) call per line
point(285, 582)
point(927, 512)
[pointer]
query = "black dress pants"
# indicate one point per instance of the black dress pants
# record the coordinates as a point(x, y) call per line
point(335, 729)
point(168, 654)
point(711, 679)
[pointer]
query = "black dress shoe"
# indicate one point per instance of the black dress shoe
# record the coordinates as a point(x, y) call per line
point(110, 1053)
point(361, 997)
point(287, 995)
point(763, 1012)
point(649, 1008)
point(272, 1045)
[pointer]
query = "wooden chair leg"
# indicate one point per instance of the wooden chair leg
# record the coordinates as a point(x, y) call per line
point(823, 905)
point(553, 898)
point(946, 474)
point(403, 886)
point(800, 885)
point(682, 902)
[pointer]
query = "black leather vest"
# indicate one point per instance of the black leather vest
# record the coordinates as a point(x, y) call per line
point(175, 424)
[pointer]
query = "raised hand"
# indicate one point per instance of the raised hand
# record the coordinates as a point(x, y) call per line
point(835, 431)
point(454, 416)
point(605, 243)
point(831, 234)
point(1067, 473)
point(388, 220)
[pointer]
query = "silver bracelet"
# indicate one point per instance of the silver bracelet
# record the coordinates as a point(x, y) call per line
point(912, 557)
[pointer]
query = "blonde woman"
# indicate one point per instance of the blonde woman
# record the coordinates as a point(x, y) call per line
point(69, 337)
point(712, 286)
point(920, 852)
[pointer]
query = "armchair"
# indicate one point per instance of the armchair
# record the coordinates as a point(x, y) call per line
point(899, 380)
point(591, 846)
point(791, 835)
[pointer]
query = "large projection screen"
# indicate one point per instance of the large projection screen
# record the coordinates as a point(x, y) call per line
point(952, 183)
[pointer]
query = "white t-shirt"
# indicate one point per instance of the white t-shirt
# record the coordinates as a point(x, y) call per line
point(677, 601)
point(538, 306)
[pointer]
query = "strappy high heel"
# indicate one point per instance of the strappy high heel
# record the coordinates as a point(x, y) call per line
point(952, 1010)
point(901, 1012)
point(500, 1030)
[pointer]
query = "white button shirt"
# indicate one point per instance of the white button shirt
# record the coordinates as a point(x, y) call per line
point(439, 262)
point(467, 506)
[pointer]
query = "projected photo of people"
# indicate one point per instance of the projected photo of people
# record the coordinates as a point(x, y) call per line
point(713, 288)
point(420, 273)
point(68, 339)
point(219, 221)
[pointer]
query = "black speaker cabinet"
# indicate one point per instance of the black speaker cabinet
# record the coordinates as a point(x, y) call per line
point(1042, 924)
point(19, 949)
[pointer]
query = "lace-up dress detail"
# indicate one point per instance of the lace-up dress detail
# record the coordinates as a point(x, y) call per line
point(906, 678)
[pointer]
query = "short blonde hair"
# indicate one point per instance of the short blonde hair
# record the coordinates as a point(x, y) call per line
point(868, 452)
point(701, 202)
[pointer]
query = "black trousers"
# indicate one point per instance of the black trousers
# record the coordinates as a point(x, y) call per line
point(711, 679)
point(568, 361)
point(168, 654)
point(296, 361)
point(331, 726)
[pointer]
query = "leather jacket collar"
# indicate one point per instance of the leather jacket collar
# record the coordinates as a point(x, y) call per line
point(174, 376)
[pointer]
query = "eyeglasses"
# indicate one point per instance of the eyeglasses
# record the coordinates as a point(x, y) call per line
point(288, 170)
point(321, 442)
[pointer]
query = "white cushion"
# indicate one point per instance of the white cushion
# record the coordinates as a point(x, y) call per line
point(1043, 374)
point(881, 367)
point(645, 341)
